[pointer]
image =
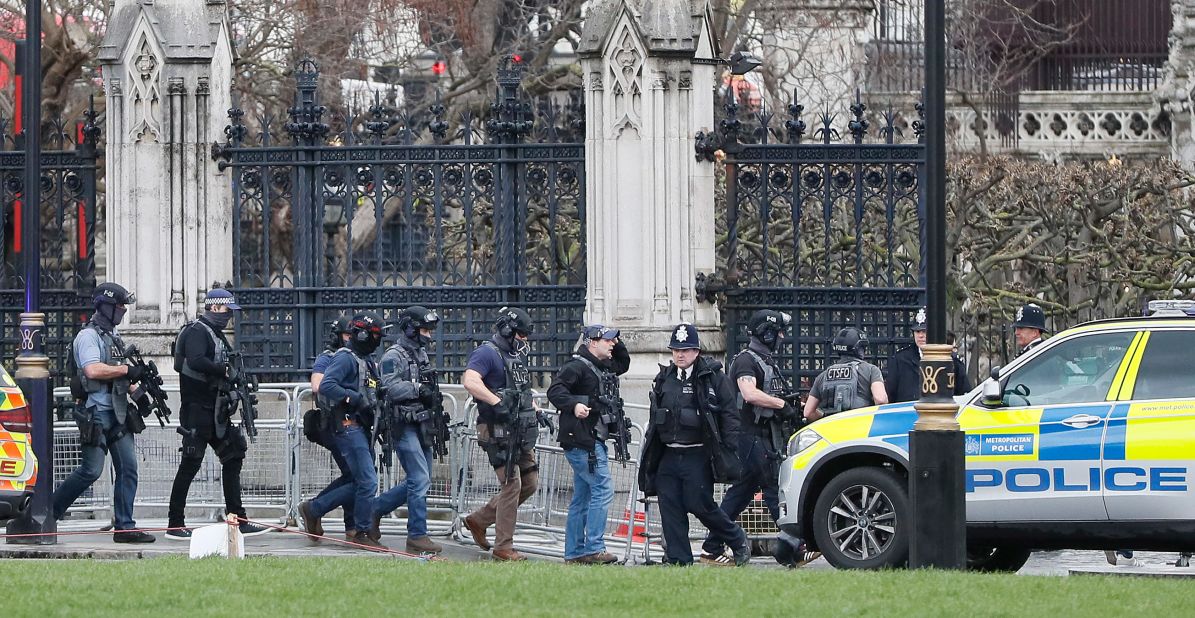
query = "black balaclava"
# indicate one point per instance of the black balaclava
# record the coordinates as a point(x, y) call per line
point(219, 320)
point(108, 316)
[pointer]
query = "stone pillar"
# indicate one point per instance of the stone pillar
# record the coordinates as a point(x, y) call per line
point(817, 48)
point(650, 220)
point(167, 67)
point(1178, 87)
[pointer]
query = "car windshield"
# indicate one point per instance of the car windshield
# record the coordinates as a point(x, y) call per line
point(5, 380)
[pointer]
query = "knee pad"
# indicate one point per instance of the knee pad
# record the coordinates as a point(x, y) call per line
point(233, 446)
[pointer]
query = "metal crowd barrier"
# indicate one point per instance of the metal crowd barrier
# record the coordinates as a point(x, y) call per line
point(283, 468)
point(540, 528)
point(265, 482)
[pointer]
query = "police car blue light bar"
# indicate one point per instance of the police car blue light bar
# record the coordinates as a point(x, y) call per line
point(1160, 308)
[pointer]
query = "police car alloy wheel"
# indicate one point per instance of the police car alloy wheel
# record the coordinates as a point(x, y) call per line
point(862, 518)
point(997, 559)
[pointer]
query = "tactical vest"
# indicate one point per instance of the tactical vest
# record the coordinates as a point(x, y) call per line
point(416, 365)
point(677, 417)
point(773, 384)
point(366, 386)
point(111, 353)
point(517, 379)
point(605, 392)
point(840, 388)
point(180, 357)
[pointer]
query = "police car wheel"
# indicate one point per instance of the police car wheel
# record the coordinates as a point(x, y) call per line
point(996, 559)
point(861, 520)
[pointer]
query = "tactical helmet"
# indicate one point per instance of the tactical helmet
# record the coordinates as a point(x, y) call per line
point(113, 294)
point(767, 326)
point(417, 317)
point(336, 328)
point(365, 330)
point(512, 320)
point(849, 341)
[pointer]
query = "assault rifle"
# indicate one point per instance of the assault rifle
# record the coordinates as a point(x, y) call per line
point(239, 390)
point(150, 384)
point(513, 398)
point(438, 434)
point(620, 429)
point(385, 430)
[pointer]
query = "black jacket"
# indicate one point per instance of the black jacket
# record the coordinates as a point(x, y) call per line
point(200, 353)
point(707, 375)
point(576, 383)
point(902, 380)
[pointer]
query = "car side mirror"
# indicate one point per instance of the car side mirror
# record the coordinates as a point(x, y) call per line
point(995, 374)
point(993, 392)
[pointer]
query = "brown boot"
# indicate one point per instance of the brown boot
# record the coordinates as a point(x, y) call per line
point(508, 555)
point(350, 535)
point(478, 532)
point(375, 530)
point(424, 545)
point(364, 542)
point(311, 523)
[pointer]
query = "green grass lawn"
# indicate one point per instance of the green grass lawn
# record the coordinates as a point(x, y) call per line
point(380, 587)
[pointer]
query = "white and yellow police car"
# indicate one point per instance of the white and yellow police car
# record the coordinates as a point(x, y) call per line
point(1085, 442)
point(18, 466)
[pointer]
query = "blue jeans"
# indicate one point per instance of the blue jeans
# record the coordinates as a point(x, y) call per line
point(354, 447)
point(592, 495)
point(416, 462)
point(124, 460)
point(345, 478)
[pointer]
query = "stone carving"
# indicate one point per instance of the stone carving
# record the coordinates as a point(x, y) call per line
point(114, 90)
point(625, 68)
point(660, 81)
point(176, 86)
point(144, 77)
point(203, 88)
point(686, 80)
point(595, 81)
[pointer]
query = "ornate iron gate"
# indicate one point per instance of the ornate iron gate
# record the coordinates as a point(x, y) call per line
point(67, 216)
point(398, 208)
point(828, 230)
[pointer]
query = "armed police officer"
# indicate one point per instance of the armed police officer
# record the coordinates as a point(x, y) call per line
point(903, 379)
point(202, 359)
point(409, 423)
point(496, 377)
point(102, 385)
point(350, 393)
point(691, 442)
point(768, 418)
point(316, 428)
point(1029, 327)
point(586, 392)
point(850, 382)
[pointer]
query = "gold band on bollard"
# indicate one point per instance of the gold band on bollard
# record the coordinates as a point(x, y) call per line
point(32, 363)
point(936, 409)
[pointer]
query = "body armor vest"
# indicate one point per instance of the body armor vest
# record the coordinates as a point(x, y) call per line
point(220, 358)
point(840, 389)
point(678, 417)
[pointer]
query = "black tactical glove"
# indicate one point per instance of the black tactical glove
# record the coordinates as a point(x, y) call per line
point(135, 374)
point(144, 404)
point(501, 412)
point(545, 421)
point(788, 412)
point(428, 397)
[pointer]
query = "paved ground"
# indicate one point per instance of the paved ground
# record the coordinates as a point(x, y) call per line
point(100, 546)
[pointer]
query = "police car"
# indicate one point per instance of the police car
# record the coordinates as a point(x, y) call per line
point(18, 466)
point(1086, 441)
